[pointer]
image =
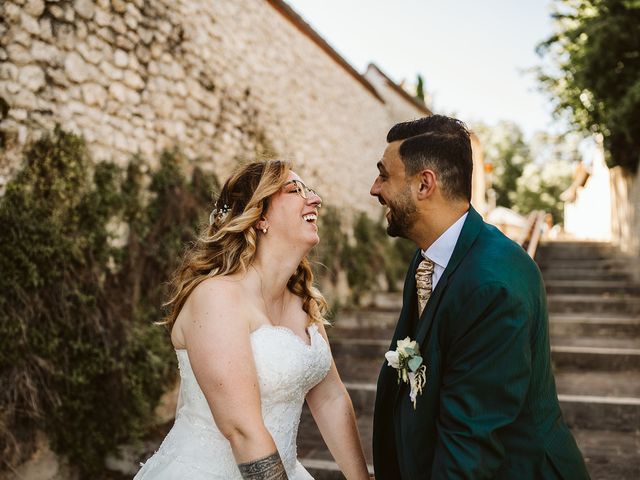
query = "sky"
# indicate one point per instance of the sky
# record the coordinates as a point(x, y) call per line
point(473, 55)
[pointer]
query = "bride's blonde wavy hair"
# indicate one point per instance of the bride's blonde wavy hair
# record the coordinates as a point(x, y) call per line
point(229, 243)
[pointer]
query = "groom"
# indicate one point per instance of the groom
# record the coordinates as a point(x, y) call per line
point(488, 408)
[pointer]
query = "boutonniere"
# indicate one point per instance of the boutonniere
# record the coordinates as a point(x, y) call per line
point(407, 361)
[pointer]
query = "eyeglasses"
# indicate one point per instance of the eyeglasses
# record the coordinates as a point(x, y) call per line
point(301, 189)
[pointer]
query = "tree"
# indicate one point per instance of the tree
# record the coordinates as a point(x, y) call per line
point(546, 147)
point(505, 149)
point(593, 74)
point(530, 175)
point(540, 186)
point(420, 88)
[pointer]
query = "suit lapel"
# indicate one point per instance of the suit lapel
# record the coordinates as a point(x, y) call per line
point(468, 235)
point(388, 378)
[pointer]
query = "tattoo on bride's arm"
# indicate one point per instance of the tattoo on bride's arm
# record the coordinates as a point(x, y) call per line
point(267, 468)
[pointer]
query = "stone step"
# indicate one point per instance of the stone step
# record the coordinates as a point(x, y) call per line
point(609, 455)
point(578, 353)
point(612, 343)
point(380, 325)
point(580, 411)
point(365, 318)
point(383, 301)
point(314, 454)
point(603, 413)
point(582, 274)
point(580, 255)
point(321, 469)
point(611, 326)
point(563, 251)
point(626, 300)
point(613, 261)
point(569, 381)
point(592, 304)
point(386, 317)
point(595, 358)
point(575, 243)
point(592, 287)
point(599, 267)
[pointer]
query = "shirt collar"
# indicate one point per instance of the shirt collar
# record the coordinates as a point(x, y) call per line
point(441, 250)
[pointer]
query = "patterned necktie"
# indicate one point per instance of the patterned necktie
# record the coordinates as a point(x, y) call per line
point(424, 274)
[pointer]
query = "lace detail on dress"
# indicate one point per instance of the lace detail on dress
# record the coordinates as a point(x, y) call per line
point(287, 369)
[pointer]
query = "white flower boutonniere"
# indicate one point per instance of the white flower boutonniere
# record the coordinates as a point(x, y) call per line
point(407, 361)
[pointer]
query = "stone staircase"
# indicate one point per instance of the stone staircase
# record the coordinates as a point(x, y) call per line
point(594, 311)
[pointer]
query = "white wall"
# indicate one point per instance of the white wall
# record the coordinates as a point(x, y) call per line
point(589, 216)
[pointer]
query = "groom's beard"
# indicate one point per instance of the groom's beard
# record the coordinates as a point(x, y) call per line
point(402, 215)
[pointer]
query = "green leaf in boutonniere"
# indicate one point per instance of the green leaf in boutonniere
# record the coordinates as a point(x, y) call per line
point(415, 362)
point(410, 351)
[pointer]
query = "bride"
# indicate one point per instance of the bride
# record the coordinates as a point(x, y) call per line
point(247, 325)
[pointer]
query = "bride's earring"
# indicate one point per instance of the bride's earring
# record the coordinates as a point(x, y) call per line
point(264, 230)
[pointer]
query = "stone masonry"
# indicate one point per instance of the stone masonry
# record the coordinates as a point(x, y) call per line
point(224, 80)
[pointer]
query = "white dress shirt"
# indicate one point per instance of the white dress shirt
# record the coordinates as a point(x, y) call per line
point(441, 250)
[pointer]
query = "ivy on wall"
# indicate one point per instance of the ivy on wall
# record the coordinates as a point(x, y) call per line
point(371, 259)
point(84, 253)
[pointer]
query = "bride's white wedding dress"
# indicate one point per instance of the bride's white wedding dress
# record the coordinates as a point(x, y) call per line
point(287, 369)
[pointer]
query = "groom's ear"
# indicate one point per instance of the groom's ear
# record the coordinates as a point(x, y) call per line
point(427, 184)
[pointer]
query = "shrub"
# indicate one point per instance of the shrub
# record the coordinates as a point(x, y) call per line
point(329, 253)
point(84, 252)
point(374, 256)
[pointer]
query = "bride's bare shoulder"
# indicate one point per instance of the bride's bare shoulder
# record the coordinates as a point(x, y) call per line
point(221, 293)
point(217, 302)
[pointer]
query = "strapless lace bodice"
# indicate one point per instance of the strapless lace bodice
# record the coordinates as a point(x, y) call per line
point(287, 369)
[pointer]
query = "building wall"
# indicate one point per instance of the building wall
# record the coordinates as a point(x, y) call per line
point(223, 80)
point(478, 179)
point(625, 194)
point(589, 216)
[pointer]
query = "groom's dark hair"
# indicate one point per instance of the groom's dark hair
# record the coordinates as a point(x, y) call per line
point(439, 143)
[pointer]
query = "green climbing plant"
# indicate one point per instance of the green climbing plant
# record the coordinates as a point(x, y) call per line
point(84, 251)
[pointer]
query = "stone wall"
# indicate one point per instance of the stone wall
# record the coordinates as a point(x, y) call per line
point(223, 80)
point(625, 197)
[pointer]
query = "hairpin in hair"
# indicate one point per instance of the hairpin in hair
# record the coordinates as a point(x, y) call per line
point(218, 213)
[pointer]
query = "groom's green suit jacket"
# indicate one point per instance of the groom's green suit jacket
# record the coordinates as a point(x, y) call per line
point(489, 408)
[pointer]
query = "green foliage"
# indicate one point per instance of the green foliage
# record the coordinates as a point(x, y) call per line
point(371, 259)
point(330, 251)
point(83, 252)
point(372, 254)
point(420, 88)
point(594, 77)
point(505, 149)
point(540, 186)
point(529, 176)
